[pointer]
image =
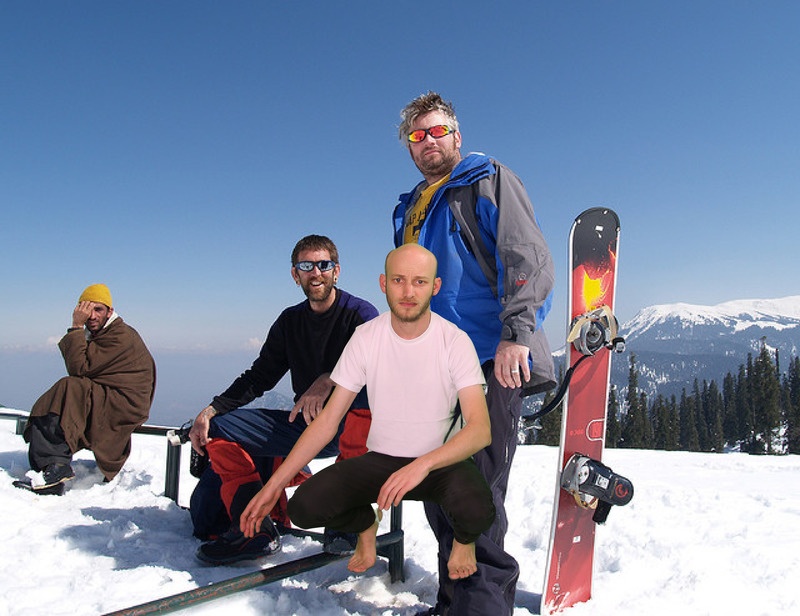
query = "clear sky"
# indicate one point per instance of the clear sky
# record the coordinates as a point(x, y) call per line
point(177, 150)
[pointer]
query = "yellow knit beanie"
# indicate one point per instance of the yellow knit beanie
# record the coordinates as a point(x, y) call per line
point(96, 293)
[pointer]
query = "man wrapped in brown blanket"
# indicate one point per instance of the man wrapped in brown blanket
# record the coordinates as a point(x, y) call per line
point(106, 396)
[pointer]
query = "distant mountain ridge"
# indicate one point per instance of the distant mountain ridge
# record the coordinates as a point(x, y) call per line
point(273, 400)
point(676, 343)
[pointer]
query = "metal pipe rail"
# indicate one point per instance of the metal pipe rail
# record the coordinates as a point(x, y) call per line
point(251, 580)
point(390, 545)
point(173, 468)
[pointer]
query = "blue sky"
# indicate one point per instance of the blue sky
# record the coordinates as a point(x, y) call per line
point(177, 150)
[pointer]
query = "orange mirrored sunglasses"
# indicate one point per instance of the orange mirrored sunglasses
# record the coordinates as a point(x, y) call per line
point(437, 132)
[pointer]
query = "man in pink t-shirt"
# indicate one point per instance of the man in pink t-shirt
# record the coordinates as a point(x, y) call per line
point(416, 366)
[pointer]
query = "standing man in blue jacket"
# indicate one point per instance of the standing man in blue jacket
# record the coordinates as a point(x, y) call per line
point(497, 279)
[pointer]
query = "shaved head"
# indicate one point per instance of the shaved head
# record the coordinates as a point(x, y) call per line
point(409, 283)
point(411, 255)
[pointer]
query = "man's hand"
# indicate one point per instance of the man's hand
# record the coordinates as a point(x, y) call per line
point(511, 364)
point(81, 313)
point(199, 432)
point(313, 400)
point(258, 509)
point(400, 482)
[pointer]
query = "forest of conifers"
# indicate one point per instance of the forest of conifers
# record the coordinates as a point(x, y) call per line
point(756, 410)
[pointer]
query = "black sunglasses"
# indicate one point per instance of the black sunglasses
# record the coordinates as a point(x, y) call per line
point(325, 265)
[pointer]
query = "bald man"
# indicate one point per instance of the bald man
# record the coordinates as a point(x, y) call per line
point(416, 366)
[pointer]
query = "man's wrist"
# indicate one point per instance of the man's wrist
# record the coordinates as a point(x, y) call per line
point(74, 328)
point(521, 337)
point(209, 412)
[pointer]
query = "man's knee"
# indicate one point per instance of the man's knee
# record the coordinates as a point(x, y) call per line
point(481, 519)
point(473, 518)
point(470, 503)
point(305, 506)
point(229, 459)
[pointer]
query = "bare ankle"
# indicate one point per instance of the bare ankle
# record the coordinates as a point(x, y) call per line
point(462, 562)
point(366, 554)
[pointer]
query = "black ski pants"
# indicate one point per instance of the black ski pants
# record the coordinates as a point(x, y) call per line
point(341, 495)
point(492, 589)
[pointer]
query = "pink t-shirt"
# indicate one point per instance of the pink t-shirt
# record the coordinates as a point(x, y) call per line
point(412, 385)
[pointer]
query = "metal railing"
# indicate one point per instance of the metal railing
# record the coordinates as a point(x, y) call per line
point(173, 470)
point(391, 545)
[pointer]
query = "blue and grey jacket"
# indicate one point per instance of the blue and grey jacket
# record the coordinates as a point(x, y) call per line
point(496, 269)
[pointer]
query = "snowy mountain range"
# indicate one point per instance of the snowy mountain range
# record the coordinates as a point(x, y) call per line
point(676, 343)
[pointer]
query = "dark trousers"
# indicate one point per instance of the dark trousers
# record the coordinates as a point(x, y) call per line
point(491, 590)
point(341, 496)
point(264, 432)
point(46, 442)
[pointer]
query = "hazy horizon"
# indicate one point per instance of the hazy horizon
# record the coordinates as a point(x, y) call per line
point(186, 381)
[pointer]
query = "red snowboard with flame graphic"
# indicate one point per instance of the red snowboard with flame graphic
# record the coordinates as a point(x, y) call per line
point(593, 266)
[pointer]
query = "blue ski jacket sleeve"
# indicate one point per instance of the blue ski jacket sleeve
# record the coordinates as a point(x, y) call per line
point(496, 268)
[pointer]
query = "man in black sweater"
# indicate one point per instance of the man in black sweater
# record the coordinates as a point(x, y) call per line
point(306, 340)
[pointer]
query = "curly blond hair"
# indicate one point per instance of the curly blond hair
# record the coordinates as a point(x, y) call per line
point(425, 103)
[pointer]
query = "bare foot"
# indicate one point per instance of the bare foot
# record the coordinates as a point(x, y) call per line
point(366, 553)
point(462, 561)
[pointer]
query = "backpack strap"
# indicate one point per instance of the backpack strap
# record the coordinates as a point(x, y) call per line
point(456, 418)
point(463, 204)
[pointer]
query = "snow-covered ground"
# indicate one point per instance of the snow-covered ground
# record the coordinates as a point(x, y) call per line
point(704, 534)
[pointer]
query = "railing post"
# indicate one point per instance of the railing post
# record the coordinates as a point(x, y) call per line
point(173, 471)
point(396, 551)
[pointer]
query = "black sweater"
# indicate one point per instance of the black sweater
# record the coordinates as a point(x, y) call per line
point(304, 343)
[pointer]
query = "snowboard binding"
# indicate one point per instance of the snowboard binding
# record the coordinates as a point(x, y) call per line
point(594, 485)
point(588, 333)
point(594, 330)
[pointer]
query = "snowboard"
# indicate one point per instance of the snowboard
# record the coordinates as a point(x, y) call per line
point(593, 243)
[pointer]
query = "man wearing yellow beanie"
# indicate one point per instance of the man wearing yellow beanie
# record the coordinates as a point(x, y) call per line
point(96, 293)
point(105, 397)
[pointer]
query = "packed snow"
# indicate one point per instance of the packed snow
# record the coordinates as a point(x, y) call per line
point(705, 534)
